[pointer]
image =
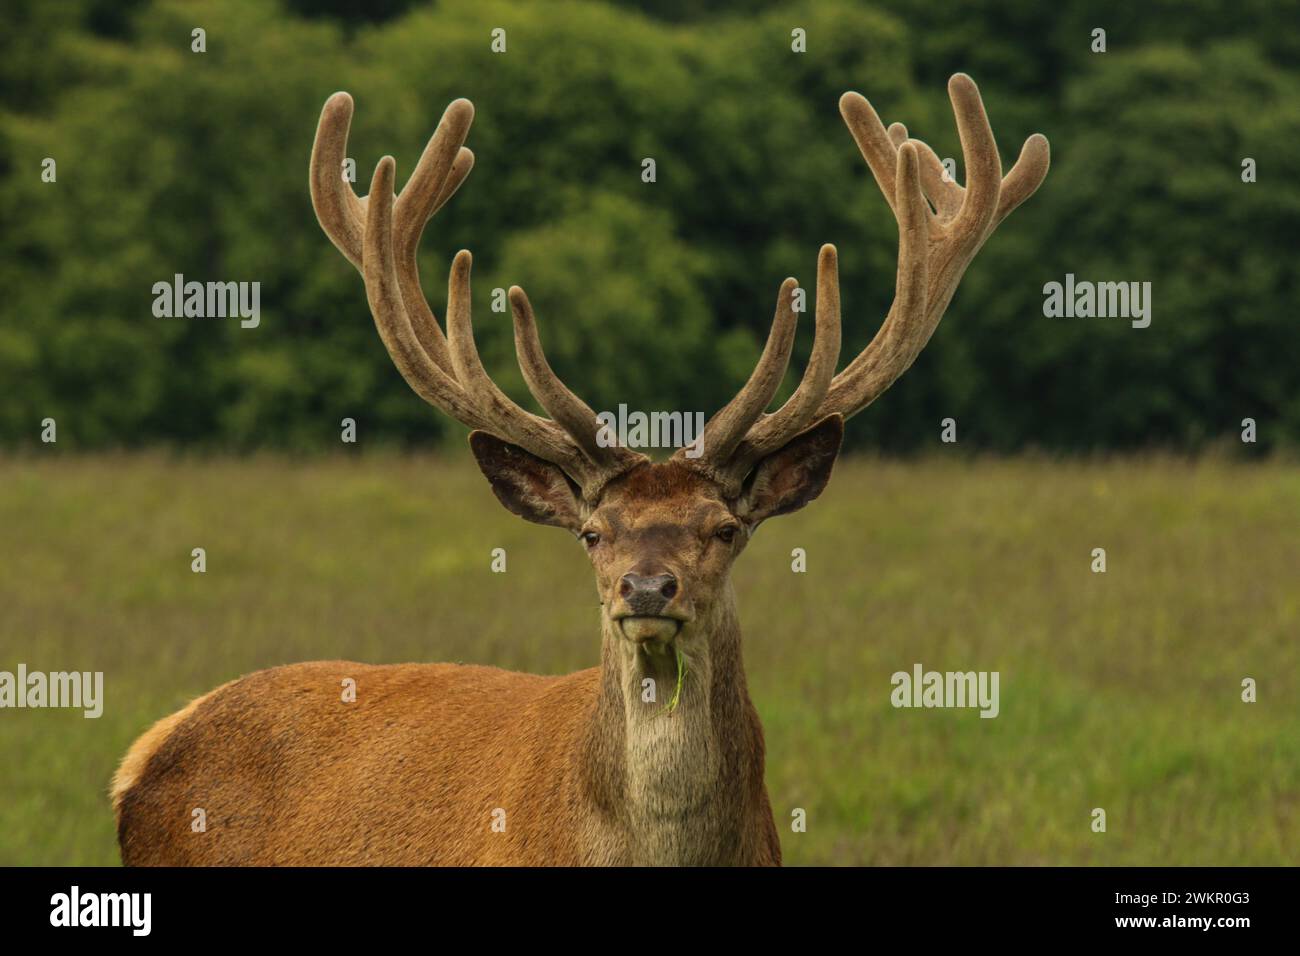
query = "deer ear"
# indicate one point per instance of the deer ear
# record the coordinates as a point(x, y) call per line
point(788, 479)
point(530, 487)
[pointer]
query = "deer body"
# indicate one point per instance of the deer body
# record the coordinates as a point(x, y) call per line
point(446, 764)
point(436, 763)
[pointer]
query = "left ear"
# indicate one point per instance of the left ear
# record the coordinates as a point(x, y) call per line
point(530, 487)
point(788, 479)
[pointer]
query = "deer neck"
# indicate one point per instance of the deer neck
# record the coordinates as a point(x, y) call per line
point(674, 780)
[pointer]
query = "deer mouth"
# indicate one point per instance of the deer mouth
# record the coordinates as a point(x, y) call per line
point(643, 628)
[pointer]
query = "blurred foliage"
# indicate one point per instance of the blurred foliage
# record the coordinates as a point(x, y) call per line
point(659, 294)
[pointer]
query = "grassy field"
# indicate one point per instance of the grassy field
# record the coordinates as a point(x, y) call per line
point(1118, 690)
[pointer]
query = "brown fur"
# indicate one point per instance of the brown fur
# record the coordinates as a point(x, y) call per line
point(411, 773)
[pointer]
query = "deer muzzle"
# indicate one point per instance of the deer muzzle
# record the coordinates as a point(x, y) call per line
point(643, 612)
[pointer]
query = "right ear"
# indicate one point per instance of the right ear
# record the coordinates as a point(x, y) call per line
point(530, 487)
point(792, 476)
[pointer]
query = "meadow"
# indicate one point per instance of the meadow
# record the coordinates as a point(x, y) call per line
point(1119, 690)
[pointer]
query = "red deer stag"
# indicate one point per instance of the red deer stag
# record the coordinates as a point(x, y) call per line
point(451, 764)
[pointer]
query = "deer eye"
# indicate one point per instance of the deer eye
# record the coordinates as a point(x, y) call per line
point(590, 538)
point(727, 533)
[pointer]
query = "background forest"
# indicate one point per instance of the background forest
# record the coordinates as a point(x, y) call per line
point(657, 295)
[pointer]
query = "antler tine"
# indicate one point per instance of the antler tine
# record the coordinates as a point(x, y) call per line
point(423, 320)
point(728, 427)
point(772, 431)
point(427, 379)
point(441, 169)
point(1026, 175)
point(979, 150)
point(340, 212)
point(901, 337)
point(543, 438)
point(880, 152)
point(573, 414)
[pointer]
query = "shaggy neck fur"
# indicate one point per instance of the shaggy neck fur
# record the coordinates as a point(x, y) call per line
point(676, 785)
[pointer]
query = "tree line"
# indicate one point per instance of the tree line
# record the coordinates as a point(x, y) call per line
point(1173, 165)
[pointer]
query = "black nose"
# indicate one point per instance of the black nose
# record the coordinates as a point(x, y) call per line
point(647, 595)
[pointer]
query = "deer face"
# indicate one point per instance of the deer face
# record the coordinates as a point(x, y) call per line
point(662, 537)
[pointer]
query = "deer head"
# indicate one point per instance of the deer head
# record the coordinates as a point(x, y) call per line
point(662, 536)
